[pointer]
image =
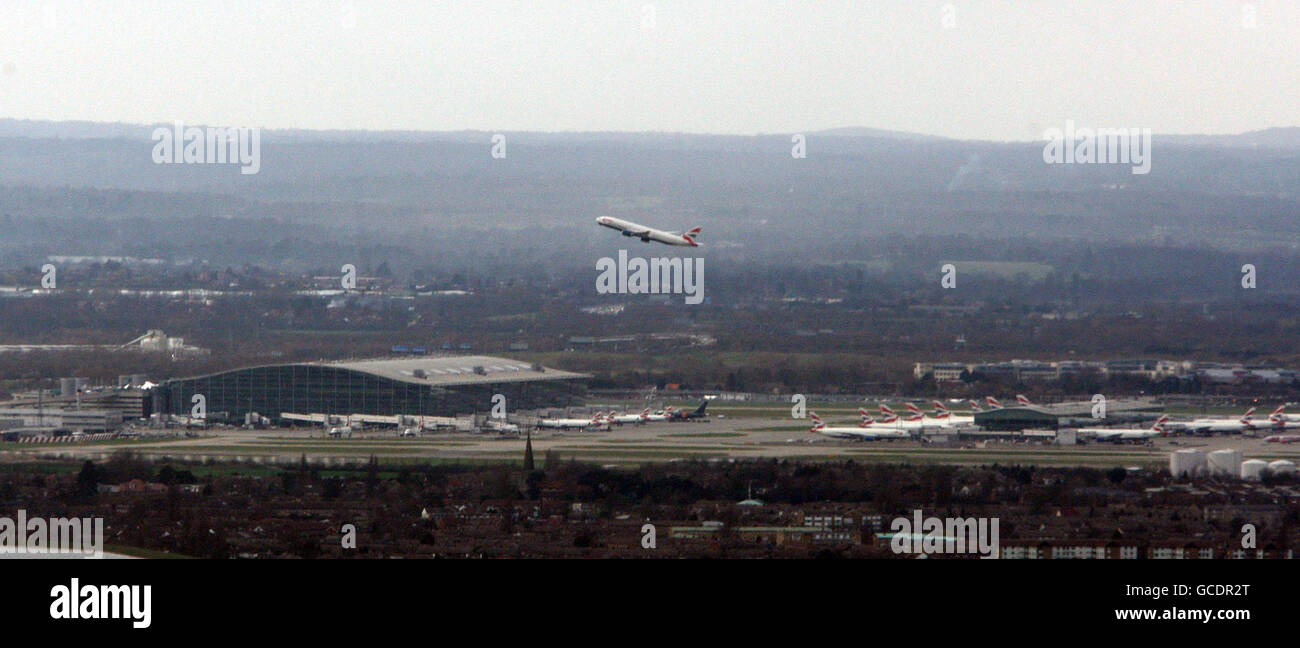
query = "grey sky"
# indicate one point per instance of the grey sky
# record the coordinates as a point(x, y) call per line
point(1005, 70)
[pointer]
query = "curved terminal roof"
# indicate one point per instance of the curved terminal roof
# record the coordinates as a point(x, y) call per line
point(448, 370)
point(453, 370)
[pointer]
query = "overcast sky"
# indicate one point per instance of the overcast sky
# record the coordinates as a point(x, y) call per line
point(988, 70)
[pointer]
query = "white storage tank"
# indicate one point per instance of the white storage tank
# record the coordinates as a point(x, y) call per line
point(1187, 462)
point(1224, 463)
point(1253, 469)
point(1281, 467)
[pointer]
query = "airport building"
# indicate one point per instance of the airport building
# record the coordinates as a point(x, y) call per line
point(428, 386)
point(1062, 415)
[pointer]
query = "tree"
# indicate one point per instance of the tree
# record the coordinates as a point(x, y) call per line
point(1116, 475)
point(87, 480)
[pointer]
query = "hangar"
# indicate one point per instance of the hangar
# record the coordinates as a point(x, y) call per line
point(1072, 414)
point(427, 385)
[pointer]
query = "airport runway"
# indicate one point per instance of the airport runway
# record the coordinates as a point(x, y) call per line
point(716, 439)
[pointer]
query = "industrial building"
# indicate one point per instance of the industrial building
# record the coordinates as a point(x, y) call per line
point(76, 406)
point(1062, 415)
point(428, 386)
point(55, 418)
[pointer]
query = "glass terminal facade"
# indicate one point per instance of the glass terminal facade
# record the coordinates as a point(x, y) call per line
point(335, 389)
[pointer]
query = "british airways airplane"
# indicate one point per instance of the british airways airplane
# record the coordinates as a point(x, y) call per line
point(647, 234)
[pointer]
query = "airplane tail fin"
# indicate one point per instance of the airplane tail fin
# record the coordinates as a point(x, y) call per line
point(1021, 399)
point(693, 234)
point(866, 421)
point(887, 411)
point(1159, 425)
point(992, 402)
point(912, 408)
point(975, 406)
point(817, 423)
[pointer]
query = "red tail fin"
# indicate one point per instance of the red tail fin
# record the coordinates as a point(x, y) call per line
point(691, 234)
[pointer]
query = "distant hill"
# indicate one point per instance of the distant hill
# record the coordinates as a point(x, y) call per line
point(1275, 138)
point(861, 131)
point(1270, 138)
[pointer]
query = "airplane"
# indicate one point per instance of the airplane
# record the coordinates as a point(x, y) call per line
point(647, 234)
point(1127, 434)
point(862, 431)
point(942, 414)
point(915, 422)
point(889, 417)
point(1282, 438)
point(570, 423)
point(1236, 425)
point(683, 415)
point(502, 427)
point(629, 418)
point(1277, 420)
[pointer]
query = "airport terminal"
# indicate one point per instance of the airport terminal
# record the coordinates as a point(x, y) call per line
point(420, 386)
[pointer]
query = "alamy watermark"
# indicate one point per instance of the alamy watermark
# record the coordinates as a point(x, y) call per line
point(38, 535)
point(934, 535)
point(1099, 146)
point(183, 144)
point(655, 276)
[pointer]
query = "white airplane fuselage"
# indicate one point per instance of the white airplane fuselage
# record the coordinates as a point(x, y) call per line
point(647, 234)
point(567, 423)
point(862, 433)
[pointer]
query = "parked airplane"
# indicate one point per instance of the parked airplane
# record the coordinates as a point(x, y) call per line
point(1282, 438)
point(1127, 434)
point(502, 427)
point(1277, 420)
point(1222, 424)
point(889, 418)
point(862, 432)
point(683, 415)
point(916, 422)
point(944, 416)
point(629, 418)
point(573, 423)
point(647, 234)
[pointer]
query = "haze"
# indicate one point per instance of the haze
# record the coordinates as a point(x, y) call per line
point(1002, 71)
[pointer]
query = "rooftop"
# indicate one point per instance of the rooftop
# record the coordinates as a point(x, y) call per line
point(436, 370)
point(453, 369)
